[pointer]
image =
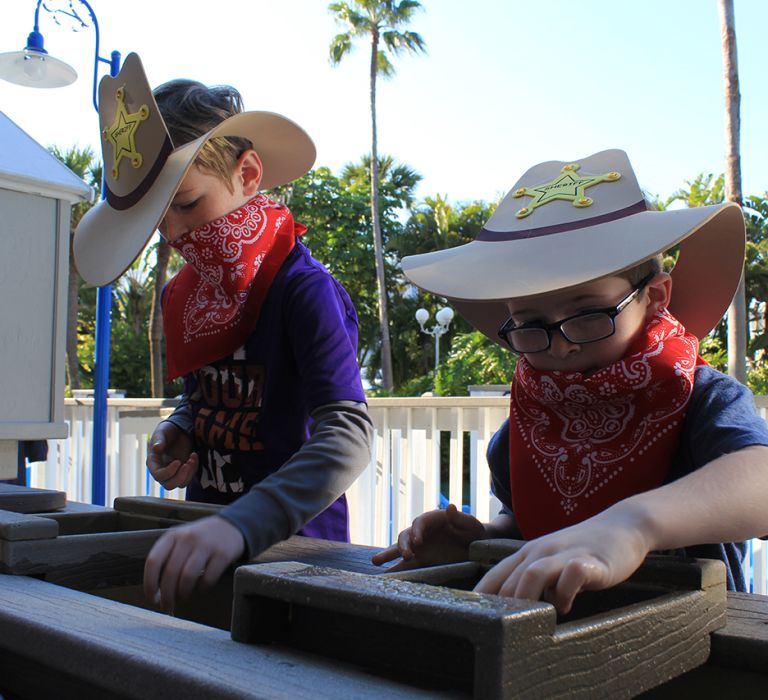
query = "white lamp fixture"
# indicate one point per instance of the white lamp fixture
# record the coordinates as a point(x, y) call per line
point(34, 67)
point(443, 317)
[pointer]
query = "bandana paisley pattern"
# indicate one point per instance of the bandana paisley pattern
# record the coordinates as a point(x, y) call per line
point(580, 443)
point(212, 305)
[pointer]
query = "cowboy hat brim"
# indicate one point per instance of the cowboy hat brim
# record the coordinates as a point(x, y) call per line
point(478, 277)
point(107, 241)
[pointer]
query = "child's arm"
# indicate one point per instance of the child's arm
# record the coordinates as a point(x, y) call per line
point(325, 466)
point(723, 501)
point(442, 537)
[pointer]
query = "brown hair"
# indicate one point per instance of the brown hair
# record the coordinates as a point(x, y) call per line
point(191, 109)
point(649, 267)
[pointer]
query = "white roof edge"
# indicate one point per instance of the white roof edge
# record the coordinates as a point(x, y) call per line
point(30, 167)
point(17, 183)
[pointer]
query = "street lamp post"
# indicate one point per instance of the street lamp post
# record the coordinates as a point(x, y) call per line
point(443, 317)
point(34, 67)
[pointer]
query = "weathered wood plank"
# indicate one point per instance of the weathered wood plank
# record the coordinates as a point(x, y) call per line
point(21, 499)
point(143, 655)
point(80, 522)
point(165, 507)
point(339, 555)
point(22, 526)
point(86, 561)
point(743, 642)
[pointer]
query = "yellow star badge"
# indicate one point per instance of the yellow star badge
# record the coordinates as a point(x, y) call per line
point(568, 185)
point(122, 134)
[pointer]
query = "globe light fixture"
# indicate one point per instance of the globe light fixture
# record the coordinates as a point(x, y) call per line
point(444, 316)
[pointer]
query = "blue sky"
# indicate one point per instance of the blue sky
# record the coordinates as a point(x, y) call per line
point(503, 85)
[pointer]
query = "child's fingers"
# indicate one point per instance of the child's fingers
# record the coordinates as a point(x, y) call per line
point(385, 555)
point(157, 446)
point(156, 456)
point(167, 474)
point(532, 579)
point(170, 578)
point(216, 566)
point(153, 566)
point(186, 473)
point(497, 576)
point(192, 572)
point(575, 577)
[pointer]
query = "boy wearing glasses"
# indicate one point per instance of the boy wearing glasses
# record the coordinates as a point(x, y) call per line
point(621, 439)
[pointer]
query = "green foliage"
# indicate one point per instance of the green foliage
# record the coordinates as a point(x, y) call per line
point(474, 359)
point(713, 349)
point(129, 355)
point(757, 380)
point(705, 189)
point(382, 19)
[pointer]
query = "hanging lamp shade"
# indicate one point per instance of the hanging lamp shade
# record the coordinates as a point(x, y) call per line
point(34, 66)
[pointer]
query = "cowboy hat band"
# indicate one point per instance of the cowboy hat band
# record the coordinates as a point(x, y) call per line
point(142, 171)
point(565, 223)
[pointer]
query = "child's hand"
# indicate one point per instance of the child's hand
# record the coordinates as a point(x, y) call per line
point(595, 554)
point(436, 537)
point(170, 459)
point(190, 556)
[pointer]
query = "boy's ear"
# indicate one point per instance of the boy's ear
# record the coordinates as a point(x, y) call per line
point(659, 291)
point(248, 171)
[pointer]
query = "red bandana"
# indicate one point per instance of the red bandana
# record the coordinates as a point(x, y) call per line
point(211, 306)
point(580, 444)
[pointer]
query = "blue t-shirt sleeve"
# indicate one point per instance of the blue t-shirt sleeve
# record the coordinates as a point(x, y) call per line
point(321, 324)
point(721, 418)
point(498, 462)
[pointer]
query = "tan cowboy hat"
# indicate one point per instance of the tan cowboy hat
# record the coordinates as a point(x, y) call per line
point(567, 223)
point(143, 171)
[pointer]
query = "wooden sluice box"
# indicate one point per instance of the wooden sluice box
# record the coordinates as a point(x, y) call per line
point(319, 620)
point(428, 626)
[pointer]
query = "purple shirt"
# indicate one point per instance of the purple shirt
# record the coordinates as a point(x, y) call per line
point(251, 410)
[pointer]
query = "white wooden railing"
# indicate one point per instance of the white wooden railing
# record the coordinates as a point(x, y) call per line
point(401, 481)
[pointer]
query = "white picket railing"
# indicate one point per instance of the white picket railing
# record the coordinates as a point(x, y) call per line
point(402, 480)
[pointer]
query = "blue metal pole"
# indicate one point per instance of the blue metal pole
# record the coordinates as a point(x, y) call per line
point(103, 331)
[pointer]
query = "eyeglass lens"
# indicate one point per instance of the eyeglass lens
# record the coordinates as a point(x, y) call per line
point(581, 329)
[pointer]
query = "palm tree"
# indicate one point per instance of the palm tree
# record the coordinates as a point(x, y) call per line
point(157, 381)
point(737, 312)
point(81, 162)
point(379, 20)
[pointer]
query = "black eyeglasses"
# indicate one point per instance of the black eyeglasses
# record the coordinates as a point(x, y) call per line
point(584, 327)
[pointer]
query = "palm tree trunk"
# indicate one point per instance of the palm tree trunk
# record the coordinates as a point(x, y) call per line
point(73, 365)
point(737, 312)
point(378, 248)
point(156, 320)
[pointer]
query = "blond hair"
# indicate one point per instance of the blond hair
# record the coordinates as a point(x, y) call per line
point(190, 110)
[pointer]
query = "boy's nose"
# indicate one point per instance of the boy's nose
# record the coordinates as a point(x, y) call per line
point(170, 227)
point(560, 347)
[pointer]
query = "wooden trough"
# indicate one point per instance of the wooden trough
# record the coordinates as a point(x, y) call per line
point(321, 621)
point(429, 626)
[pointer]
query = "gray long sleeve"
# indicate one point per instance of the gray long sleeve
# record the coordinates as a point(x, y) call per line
point(337, 452)
point(181, 416)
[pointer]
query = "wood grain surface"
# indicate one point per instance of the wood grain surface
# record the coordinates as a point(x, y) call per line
point(21, 499)
point(121, 651)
